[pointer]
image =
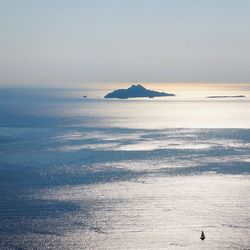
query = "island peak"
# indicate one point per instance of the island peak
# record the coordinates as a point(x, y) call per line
point(134, 91)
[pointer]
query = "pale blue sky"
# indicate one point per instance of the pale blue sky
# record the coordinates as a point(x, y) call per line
point(86, 41)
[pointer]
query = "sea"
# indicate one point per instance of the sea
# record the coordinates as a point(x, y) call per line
point(95, 173)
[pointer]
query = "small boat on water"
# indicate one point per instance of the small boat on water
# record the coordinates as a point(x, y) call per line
point(202, 236)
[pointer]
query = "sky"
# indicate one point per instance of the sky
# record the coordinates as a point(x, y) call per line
point(67, 42)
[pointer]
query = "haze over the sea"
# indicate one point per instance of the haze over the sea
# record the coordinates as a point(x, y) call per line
point(82, 43)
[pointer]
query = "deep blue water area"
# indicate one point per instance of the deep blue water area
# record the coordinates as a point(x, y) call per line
point(63, 160)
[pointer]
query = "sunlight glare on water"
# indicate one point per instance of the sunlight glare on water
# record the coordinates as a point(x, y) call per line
point(123, 174)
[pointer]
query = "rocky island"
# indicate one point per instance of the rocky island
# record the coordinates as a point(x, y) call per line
point(136, 91)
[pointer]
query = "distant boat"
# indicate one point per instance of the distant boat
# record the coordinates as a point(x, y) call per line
point(202, 236)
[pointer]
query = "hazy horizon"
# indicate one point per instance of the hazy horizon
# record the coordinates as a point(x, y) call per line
point(194, 91)
point(116, 85)
point(74, 42)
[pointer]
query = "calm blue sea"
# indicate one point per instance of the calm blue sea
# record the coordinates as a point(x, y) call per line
point(92, 173)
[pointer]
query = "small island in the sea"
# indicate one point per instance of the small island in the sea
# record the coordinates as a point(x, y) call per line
point(136, 91)
point(226, 96)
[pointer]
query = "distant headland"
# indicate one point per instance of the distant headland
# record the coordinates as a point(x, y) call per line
point(136, 91)
point(226, 96)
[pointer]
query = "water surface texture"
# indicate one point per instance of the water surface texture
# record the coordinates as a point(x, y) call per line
point(90, 173)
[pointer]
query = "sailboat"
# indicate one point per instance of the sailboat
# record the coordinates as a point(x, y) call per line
point(202, 236)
